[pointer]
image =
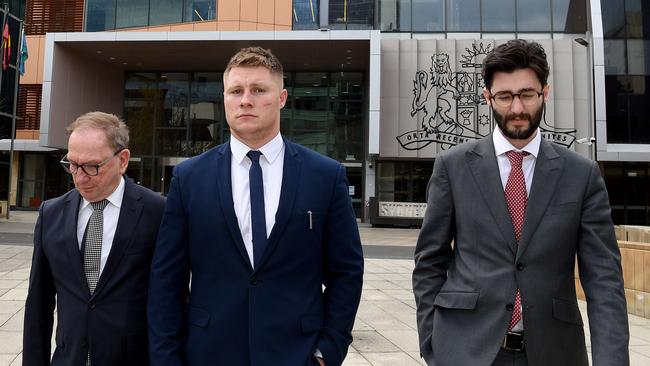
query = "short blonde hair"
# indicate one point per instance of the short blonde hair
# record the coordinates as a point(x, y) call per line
point(116, 131)
point(256, 56)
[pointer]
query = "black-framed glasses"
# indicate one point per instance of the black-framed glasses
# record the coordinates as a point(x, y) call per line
point(88, 169)
point(527, 97)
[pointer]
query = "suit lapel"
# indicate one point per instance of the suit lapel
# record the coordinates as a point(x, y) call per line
point(545, 179)
point(71, 214)
point(290, 176)
point(126, 224)
point(224, 187)
point(483, 164)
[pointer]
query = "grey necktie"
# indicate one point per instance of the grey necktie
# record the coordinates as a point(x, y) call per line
point(93, 247)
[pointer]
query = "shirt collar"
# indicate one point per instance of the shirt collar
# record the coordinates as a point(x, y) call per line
point(502, 145)
point(270, 151)
point(115, 198)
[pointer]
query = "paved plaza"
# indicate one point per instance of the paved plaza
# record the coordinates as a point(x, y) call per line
point(384, 332)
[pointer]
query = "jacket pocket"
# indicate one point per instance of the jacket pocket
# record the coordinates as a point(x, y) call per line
point(456, 300)
point(567, 311)
point(311, 323)
point(198, 317)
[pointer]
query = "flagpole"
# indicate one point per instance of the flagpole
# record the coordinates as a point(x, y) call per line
point(13, 114)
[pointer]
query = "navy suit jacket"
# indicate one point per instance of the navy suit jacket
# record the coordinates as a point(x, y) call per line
point(277, 313)
point(112, 322)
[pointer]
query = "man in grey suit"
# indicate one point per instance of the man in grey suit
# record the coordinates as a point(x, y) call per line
point(519, 209)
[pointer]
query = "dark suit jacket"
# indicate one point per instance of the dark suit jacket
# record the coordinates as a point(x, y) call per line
point(278, 313)
point(464, 293)
point(112, 322)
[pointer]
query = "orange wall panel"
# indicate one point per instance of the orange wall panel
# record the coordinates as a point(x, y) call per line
point(265, 27)
point(34, 64)
point(249, 10)
point(283, 11)
point(266, 12)
point(228, 25)
point(247, 26)
point(182, 27)
point(228, 10)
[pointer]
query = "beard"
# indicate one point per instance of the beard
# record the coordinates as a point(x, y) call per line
point(519, 133)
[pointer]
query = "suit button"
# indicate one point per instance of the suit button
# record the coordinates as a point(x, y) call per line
point(509, 307)
point(91, 306)
point(520, 266)
point(253, 280)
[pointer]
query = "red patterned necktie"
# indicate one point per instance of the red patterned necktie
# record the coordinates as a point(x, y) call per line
point(517, 199)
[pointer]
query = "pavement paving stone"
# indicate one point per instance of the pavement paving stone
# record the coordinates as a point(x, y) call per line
point(15, 323)
point(372, 341)
point(390, 359)
point(15, 294)
point(10, 307)
point(12, 342)
point(9, 284)
point(18, 361)
point(6, 360)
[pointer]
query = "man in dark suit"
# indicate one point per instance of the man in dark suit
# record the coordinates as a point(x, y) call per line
point(519, 209)
point(92, 255)
point(266, 232)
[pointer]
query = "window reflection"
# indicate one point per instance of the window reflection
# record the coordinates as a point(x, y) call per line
point(428, 15)
point(569, 16)
point(533, 16)
point(395, 15)
point(463, 15)
point(114, 14)
point(498, 15)
point(351, 14)
point(403, 181)
point(305, 14)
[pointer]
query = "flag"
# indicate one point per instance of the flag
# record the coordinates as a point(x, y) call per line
point(23, 56)
point(6, 46)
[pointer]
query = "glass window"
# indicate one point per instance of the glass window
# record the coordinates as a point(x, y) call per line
point(347, 14)
point(200, 10)
point(569, 16)
point(131, 13)
point(615, 57)
point(31, 185)
point(207, 116)
point(140, 101)
point(100, 15)
point(464, 15)
point(428, 15)
point(533, 16)
point(403, 181)
point(305, 14)
point(361, 14)
point(395, 15)
point(166, 12)
point(627, 98)
point(634, 18)
point(498, 15)
point(613, 18)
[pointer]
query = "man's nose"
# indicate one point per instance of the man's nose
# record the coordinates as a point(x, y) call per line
point(516, 106)
point(245, 98)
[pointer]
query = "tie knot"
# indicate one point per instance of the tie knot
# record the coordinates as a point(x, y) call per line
point(254, 155)
point(99, 206)
point(516, 157)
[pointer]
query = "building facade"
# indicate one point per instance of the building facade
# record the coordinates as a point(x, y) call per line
point(380, 85)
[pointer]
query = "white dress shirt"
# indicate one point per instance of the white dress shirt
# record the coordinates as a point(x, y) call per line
point(501, 146)
point(111, 215)
point(272, 163)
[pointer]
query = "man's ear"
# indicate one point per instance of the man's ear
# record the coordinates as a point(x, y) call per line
point(486, 95)
point(547, 91)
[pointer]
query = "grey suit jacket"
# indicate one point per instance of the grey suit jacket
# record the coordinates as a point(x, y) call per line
point(464, 292)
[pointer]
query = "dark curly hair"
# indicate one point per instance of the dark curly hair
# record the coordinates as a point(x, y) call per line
point(515, 55)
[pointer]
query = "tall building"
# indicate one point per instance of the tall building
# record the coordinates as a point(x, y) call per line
point(380, 85)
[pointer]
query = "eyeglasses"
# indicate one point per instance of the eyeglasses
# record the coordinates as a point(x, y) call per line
point(88, 169)
point(527, 97)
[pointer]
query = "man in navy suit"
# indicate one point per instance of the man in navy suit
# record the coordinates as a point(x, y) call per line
point(92, 251)
point(265, 231)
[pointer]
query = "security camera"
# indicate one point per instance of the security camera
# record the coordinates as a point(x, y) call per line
point(586, 140)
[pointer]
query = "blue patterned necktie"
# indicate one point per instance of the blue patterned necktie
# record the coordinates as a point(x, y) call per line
point(258, 213)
